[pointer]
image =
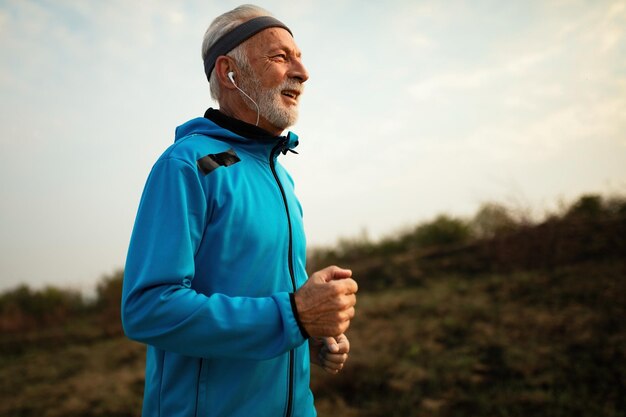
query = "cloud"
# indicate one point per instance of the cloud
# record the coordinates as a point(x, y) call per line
point(482, 78)
point(442, 85)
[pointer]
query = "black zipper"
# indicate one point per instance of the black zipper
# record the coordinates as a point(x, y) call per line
point(281, 145)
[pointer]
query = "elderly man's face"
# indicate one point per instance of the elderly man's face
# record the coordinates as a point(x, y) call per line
point(277, 77)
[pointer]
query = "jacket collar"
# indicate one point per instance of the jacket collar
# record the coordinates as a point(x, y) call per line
point(252, 132)
point(241, 128)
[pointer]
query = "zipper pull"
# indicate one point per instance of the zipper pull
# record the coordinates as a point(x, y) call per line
point(286, 149)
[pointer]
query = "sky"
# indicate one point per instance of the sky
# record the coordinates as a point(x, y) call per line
point(413, 109)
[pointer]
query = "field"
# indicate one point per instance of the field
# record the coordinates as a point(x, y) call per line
point(525, 344)
point(433, 335)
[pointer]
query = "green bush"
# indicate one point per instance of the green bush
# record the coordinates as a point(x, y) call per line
point(491, 220)
point(109, 296)
point(444, 230)
point(594, 206)
point(24, 308)
point(588, 206)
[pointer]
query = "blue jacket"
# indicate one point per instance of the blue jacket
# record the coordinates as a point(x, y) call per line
point(216, 253)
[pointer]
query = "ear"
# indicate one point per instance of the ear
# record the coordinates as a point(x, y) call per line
point(224, 65)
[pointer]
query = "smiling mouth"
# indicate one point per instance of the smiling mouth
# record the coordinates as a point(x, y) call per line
point(292, 94)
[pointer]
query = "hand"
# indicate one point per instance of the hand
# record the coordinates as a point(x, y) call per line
point(325, 302)
point(330, 353)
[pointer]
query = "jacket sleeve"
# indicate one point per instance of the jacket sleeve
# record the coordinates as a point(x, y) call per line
point(160, 308)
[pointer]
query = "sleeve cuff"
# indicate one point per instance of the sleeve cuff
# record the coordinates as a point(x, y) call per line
point(292, 299)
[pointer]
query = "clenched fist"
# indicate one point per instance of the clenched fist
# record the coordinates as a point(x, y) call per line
point(325, 302)
point(330, 353)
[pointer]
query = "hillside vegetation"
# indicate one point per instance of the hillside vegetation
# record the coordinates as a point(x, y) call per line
point(489, 316)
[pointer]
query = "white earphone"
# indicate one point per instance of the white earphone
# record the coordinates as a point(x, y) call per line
point(231, 77)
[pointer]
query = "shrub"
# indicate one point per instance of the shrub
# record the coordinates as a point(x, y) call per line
point(588, 206)
point(24, 308)
point(109, 296)
point(444, 230)
point(492, 219)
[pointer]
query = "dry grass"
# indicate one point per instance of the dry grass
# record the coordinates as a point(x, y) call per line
point(102, 379)
point(541, 344)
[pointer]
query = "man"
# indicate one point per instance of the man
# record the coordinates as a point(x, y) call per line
point(215, 281)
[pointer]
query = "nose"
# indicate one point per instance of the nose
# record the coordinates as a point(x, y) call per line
point(298, 71)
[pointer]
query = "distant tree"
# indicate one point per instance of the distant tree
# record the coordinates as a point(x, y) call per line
point(492, 219)
point(24, 308)
point(56, 305)
point(444, 230)
point(588, 206)
point(108, 302)
point(109, 290)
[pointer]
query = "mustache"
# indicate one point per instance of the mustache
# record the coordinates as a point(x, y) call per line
point(291, 84)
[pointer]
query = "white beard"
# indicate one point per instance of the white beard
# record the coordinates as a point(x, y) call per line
point(271, 105)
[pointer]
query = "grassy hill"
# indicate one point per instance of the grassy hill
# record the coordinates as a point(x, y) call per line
point(549, 343)
point(507, 319)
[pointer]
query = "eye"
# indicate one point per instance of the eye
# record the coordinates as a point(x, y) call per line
point(280, 57)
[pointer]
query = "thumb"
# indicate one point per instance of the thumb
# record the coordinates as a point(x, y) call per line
point(331, 344)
